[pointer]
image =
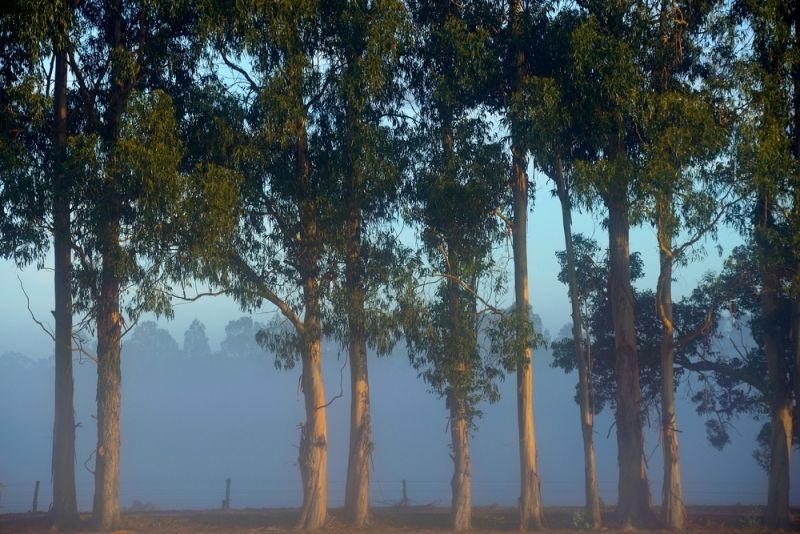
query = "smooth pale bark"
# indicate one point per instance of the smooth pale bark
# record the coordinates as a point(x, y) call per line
point(530, 500)
point(673, 512)
point(65, 507)
point(313, 458)
point(587, 416)
point(461, 483)
point(530, 503)
point(634, 502)
point(356, 501)
point(106, 510)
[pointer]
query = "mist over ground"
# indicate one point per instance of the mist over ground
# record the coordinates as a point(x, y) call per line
point(194, 415)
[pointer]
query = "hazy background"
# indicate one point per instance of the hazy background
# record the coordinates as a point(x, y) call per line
point(191, 419)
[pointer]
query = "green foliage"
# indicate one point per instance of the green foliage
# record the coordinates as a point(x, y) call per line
point(592, 271)
point(459, 181)
point(736, 382)
point(510, 334)
point(28, 30)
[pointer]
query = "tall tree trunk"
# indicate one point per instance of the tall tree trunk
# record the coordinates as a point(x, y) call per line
point(587, 415)
point(780, 446)
point(106, 511)
point(313, 458)
point(777, 515)
point(673, 511)
point(796, 213)
point(109, 331)
point(356, 500)
point(530, 501)
point(65, 507)
point(634, 504)
point(461, 483)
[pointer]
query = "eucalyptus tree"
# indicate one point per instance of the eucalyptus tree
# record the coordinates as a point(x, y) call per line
point(684, 168)
point(317, 79)
point(458, 183)
point(128, 188)
point(35, 178)
point(605, 69)
point(363, 133)
point(522, 24)
point(544, 115)
point(769, 150)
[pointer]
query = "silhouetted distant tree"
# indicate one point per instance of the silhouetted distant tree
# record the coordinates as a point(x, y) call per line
point(148, 340)
point(240, 338)
point(195, 341)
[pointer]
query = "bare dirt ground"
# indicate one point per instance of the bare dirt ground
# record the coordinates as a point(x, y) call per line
point(416, 520)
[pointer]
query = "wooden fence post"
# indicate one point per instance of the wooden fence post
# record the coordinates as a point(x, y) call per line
point(226, 504)
point(404, 500)
point(35, 507)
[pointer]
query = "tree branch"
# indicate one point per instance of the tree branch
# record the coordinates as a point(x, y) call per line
point(234, 67)
point(86, 95)
point(706, 365)
point(700, 233)
point(35, 320)
point(253, 278)
point(341, 387)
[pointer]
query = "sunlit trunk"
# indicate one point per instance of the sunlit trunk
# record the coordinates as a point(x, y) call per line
point(634, 504)
point(530, 484)
point(461, 483)
point(530, 501)
point(313, 459)
point(586, 413)
point(673, 511)
point(357, 486)
point(65, 508)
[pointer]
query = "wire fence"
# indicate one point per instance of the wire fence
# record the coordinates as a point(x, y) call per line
point(202, 493)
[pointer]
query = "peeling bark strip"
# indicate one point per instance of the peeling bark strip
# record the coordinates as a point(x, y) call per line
point(633, 505)
point(65, 507)
point(587, 415)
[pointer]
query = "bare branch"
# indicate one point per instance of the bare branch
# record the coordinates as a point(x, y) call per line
point(196, 296)
point(341, 387)
point(78, 347)
point(28, 304)
point(702, 231)
point(234, 67)
point(83, 89)
point(490, 307)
